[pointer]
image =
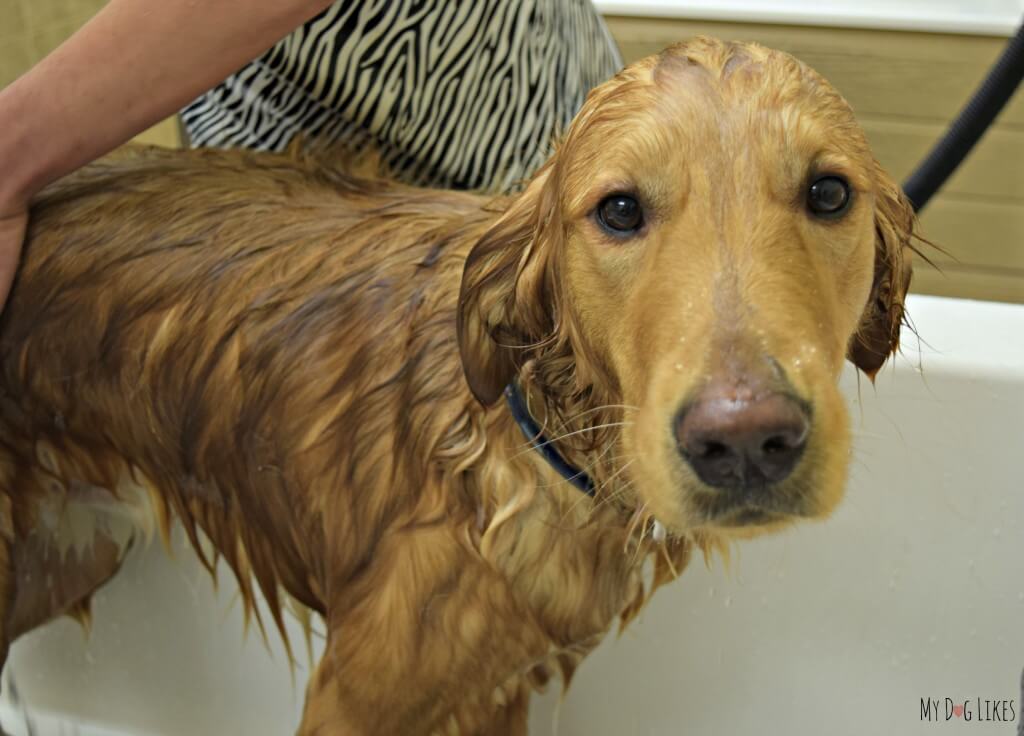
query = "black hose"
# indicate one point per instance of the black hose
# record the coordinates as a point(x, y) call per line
point(970, 124)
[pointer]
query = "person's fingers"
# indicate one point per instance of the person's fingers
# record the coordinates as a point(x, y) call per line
point(12, 236)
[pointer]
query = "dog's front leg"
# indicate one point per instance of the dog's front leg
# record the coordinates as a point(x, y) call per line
point(420, 643)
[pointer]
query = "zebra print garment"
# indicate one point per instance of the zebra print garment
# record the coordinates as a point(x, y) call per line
point(463, 94)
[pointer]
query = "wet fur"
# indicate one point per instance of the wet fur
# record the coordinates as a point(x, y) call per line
point(302, 367)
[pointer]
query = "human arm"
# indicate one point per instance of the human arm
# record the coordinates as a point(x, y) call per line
point(134, 64)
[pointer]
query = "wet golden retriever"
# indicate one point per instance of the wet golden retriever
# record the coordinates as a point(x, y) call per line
point(305, 368)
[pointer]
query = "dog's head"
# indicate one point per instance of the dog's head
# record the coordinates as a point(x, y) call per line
point(709, 242)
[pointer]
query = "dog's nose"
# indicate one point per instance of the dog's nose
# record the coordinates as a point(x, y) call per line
point(735, 439)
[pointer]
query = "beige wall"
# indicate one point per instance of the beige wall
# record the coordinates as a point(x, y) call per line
point(30, 29)
point(905, 87)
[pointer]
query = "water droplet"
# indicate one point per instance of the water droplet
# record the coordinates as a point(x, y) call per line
point(974, 633)
point(1020, 596)
point(932, 639)
point(892, 585)
point(728, 601)
point(764, 600)
point(996, 532)
point(679, 367)
point(711, 592)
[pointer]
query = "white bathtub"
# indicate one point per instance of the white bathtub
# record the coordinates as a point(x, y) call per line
point(914, 589)
point(986, 17)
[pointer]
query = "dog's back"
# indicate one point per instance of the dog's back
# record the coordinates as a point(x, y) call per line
point(214, 336)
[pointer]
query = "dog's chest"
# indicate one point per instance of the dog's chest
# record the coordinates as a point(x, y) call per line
point(563, 590)
point(575, 580)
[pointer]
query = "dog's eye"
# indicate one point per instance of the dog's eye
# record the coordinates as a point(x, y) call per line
point(828, 196)
point(620, 214)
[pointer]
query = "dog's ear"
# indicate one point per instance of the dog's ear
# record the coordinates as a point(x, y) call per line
point(879, 333)
point(506, 297)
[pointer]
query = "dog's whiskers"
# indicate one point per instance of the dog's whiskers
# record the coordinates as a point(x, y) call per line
point(530, 445)
point(618, 494)
point(605, 407)
point(586, 467)
point(602, 499)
